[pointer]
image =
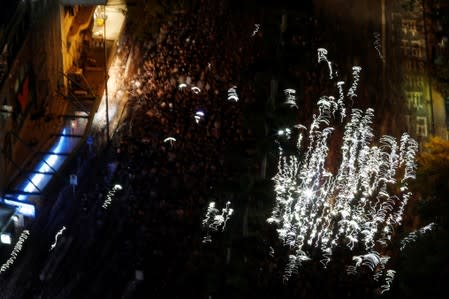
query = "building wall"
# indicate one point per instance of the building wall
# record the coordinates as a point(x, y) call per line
point(40, 66)
point(16, 82)
point(425, 115)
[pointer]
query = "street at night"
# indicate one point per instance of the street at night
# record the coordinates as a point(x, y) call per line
point(224, 149)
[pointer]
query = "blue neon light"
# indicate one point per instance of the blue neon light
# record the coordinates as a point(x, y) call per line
point(52, 160)
point(26, 209)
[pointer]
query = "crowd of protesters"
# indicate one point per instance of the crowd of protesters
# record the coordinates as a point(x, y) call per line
point(187, 68)
point(172, 157)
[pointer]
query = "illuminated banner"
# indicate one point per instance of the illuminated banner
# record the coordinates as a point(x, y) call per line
point(83, 2)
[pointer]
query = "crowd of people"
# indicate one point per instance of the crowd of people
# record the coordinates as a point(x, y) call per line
point(184, 144)
point(173, 158)
point(181, 127)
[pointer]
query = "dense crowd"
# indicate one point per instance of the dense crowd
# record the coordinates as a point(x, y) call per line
point(155, 223)
point(187, 68)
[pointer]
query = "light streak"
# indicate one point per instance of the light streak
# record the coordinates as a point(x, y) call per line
point(111, 195)
point(214, 221)
point(388, 280)
point(356, 77)
point(291, 97)
point(182, 86)
point(256, 29)
point(195, 89)
point(199, 115)
point(378, 46)
point(340, 101)
point(322, 57)
point(16, 250)
point(60, 232)
point(351, 270)
point(170, 140)
point(356, 206)
point(411, 237)
point(381, 268)
point(232, 94)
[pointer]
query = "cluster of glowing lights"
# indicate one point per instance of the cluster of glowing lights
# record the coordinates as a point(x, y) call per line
point(411, 237)
point(232, 94)
point(378, 45)
point(58, 234)
point(358, 204)
point(290, 95)
point(256, 29)
point(111, 195)
point(199, 115)
point(287, 132)
point(15, 252)
point(214, 220)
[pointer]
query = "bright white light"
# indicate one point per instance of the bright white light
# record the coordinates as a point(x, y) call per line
point(199, 115)
point(256, 29)
point(308, 194)
point(116, 97)
point(56, 238)
point(356, 77)
point(411, 237)
point(291, 97)
point(16, 250)
point(388, 280)
point(322, 56)
point(354, 206)
point(5, 238)
point(213, 221)
point(22, 207)
point(195, 89)
point(111, 195)
point(169, 139)
point(182, 86)
point(232, 94)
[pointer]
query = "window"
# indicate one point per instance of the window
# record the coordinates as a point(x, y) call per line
point(421, 126)
point(408, 26)
point(414, 100)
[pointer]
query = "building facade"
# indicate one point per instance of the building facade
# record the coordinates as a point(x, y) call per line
point(410, 45)
point(42, 44)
